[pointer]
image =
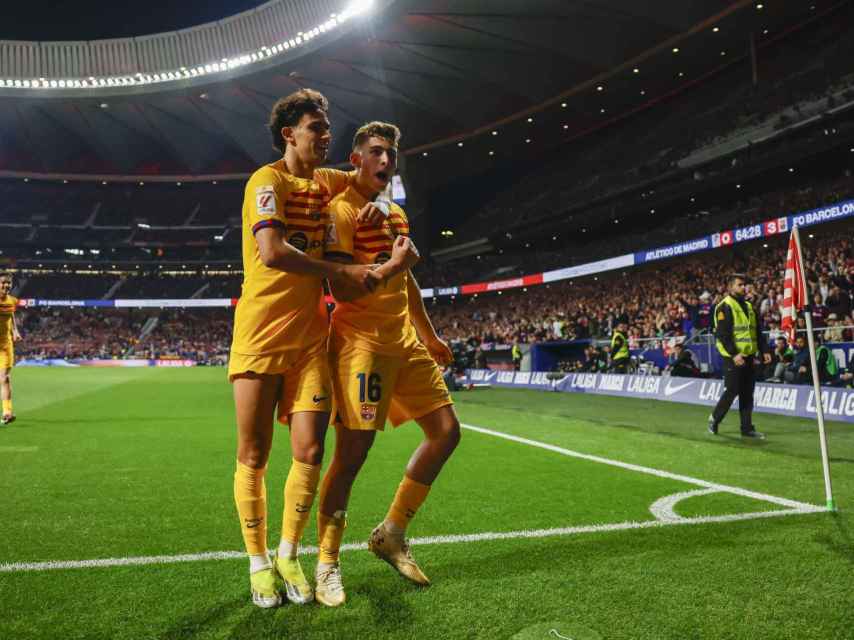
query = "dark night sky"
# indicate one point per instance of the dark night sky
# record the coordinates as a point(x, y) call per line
point(94, 19)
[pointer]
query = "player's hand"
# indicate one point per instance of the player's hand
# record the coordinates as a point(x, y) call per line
point(439, 350)
point(738, 360)
point(373, 214)
point(404, 252)
point(16, 337)
point(362, 276)
point(766, 358)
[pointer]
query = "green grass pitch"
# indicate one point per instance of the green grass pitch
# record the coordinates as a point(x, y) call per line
point(122, 464)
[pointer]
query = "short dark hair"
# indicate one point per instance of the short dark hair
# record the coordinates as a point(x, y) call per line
point(376, 129)
point(738, 276)
point(5, 275)
point(288, 111)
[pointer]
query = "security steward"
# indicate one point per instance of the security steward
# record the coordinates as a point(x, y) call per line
point(620, 356)
point(739, 340)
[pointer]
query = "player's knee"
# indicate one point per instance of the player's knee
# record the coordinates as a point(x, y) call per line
point(310, 453)
point(449, 434)
point(253, 455)
point(5, 378)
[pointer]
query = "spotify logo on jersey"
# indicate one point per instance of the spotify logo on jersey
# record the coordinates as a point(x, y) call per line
point(298, 241)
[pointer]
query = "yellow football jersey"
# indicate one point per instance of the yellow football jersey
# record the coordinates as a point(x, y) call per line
point(7, 312)
point(378, 322)
point(280, 311)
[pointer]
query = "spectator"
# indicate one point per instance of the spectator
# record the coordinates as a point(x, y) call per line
point(683, 364)
point(782, 357)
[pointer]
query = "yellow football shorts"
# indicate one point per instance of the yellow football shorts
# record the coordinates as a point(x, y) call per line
point(305, 377)
point(369, 388)
point(7, 356)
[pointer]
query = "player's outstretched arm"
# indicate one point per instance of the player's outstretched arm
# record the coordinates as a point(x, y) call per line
point(277, 253)
point(16, 335)
point(437, 347)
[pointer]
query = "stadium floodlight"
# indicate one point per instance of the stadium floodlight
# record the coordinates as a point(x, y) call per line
point(356, 8)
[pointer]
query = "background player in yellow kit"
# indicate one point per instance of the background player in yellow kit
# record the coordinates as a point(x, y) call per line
point(380, 369)
point(278, 361)
point(8, 336)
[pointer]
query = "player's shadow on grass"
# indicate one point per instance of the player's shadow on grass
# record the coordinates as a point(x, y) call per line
point(208, 620)
point(384, 592)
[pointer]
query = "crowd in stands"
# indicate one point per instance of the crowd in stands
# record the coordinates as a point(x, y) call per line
point(674, 299)
point(662, 303)
point(202, 335)
point(78, 333)
point(660, 232)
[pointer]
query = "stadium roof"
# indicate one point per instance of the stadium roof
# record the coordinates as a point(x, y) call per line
point(448, 73)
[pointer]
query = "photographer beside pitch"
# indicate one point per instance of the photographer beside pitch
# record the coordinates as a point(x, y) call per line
point(739, 340)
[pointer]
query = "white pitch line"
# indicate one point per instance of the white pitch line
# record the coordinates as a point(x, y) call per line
point(20, 567)
point(764, 497)
point(663, 508)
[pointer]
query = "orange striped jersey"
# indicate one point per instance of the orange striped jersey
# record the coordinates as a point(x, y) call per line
point(277, 310)
point(377, 322)
point(7, 313)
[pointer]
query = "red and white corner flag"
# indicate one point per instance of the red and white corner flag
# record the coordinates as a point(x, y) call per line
point(794, 299)
point(794, 287)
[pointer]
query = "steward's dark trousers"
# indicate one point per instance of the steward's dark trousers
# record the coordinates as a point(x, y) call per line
point(738, 383)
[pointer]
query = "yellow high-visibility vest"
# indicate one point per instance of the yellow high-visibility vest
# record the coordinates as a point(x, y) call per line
point(744, 328)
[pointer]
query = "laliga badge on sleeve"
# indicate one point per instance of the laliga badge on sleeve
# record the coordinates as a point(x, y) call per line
point(265, 201)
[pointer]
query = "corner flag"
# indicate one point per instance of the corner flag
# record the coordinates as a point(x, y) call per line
point(794, 288)
point(795, 298)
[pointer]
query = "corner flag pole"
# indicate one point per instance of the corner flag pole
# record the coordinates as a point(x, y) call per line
point(819, 403)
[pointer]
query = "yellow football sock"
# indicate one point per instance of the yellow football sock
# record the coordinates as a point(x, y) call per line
point(330, 531)
point(7, 407)
point(250, 495)
point(409, 497)
point(300, 490)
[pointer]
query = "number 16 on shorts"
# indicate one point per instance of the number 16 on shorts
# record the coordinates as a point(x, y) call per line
point(370, 390)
